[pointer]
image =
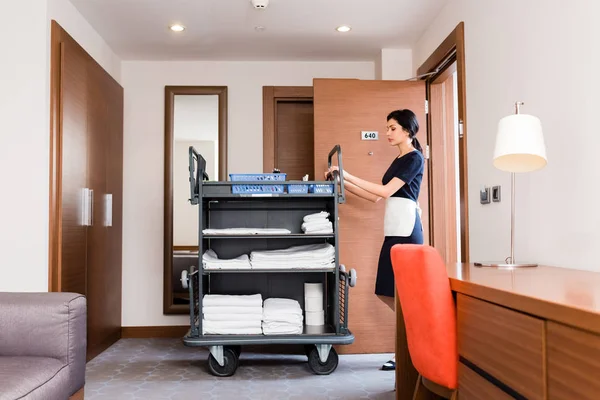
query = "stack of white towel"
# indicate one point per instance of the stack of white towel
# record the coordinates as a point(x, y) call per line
point(210, 260)
point(247, 231)
point(319, 256)
point(232, 315)
point(317, 223)
point(282, 317)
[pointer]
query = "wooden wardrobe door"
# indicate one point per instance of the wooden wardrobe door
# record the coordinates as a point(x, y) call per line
point(343, 108)
point(98, 280)
point(73, 169)
point(114, 206)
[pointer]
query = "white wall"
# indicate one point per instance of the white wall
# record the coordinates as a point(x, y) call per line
point(543, 53)
point(67, 16)
point(396, 64)
point(24, 147)
point(143, 159)
point(24, 139)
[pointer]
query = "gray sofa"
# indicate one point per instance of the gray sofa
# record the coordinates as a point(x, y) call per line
point(42, 346)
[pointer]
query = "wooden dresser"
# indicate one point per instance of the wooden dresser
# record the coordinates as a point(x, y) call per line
point(530, 333)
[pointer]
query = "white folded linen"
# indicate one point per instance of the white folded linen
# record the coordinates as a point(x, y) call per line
point(214, 325)
point(254, 300)
point(282, 329)
point(321, 251)
point(233, 310)
point(283, 318)
point(317, 216)
point(210, 328)
point(211, 316)
point(297, 266)
point(282, 310)
point(246, 231)
point(210, 260)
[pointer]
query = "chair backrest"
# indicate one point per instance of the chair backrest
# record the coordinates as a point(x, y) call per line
point(429, 312)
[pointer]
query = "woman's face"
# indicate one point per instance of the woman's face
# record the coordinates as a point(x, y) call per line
point(395, 134)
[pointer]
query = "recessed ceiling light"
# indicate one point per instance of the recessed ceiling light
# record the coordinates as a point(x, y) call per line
point(177, 28)
point(259, 28)
point(343, 28)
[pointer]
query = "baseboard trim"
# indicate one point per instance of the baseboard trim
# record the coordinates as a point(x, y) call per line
point(148, 332)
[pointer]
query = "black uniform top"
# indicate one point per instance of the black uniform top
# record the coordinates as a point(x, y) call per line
point(408, 168)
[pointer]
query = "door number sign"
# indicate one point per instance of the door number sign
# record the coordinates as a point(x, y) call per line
point(369, 135)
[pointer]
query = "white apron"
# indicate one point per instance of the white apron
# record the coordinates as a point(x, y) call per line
point(400, 216)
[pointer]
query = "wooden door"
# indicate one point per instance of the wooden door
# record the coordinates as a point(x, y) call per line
point(343, 108)
point(294, 139)
point(97, 284)
point(444, 193)
point(72, 254)
point(113, 206)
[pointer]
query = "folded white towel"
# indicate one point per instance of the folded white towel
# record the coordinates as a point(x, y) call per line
point(285, 310)
point(215, 325)
point(283, 318)
point(246, 231)
point(254, 300)
point(316, 216)
point(282, 330)
point(209, 329)
point(210, 260)
point(220, 310)
point(310, 251)
point(212, 316)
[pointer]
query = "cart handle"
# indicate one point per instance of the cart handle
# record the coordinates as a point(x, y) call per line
point(196, 158)
point(338, 149)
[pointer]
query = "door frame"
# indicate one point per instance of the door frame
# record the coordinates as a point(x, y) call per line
point(452, 49)
point(272, 95)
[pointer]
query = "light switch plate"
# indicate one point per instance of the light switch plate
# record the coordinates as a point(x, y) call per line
point(496, 195)
point(484, 195)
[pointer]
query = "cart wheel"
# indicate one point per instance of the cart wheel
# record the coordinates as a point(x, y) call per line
point(237, 350)
point(352, 278)
point(184, 279)
point(231, 363)
point(319, 368)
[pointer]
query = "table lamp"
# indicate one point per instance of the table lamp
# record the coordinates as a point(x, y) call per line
point(519, 148)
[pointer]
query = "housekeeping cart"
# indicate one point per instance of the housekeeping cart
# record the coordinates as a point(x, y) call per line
point(267, 201)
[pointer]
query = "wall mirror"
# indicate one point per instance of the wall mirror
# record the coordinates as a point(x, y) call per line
point(194, 116)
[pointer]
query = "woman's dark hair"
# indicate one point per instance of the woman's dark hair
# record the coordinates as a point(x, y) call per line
point(408, 121)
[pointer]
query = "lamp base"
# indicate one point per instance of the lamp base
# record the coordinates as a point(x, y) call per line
point(505, 265)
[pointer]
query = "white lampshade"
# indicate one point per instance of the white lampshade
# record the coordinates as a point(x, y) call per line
point(520, 144)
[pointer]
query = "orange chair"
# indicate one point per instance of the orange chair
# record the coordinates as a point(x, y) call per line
point(429, 316)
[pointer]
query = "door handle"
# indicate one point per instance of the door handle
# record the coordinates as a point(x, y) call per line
point(91, 212)
point(108, 209)
point(85, 207)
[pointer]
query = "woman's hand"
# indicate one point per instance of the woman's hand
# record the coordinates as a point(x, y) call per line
point(329, 172)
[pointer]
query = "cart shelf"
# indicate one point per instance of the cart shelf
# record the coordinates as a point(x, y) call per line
point(267, 270)
point(283, 236)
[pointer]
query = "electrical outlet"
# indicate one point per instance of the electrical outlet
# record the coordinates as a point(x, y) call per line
point(496, 196)
point(484, 195)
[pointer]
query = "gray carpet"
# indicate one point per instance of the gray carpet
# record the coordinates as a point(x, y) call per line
point(166, 369)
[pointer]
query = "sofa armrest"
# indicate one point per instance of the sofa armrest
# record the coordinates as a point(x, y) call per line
point(46, 325)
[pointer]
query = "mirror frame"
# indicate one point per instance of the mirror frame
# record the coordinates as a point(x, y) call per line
point(170, 93)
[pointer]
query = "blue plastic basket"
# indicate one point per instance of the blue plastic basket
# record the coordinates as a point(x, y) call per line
point(321, 189)
point(297, 188)
point(257, 189)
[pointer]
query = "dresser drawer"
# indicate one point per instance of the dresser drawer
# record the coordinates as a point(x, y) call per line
point(573, 363)
point(472, 386)
point(504, 343)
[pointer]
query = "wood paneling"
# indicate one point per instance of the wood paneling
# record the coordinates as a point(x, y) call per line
point(472, 386)
point(573, 363)
point(506, 344)
point(86, 152)
point(72, 257)
point(454, 47)
point(294, 139)
point(343, 108)
point(144, 332)
point(272, 96)
point(443, 169)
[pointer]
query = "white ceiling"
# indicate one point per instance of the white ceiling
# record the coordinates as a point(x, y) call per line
point(225, 29)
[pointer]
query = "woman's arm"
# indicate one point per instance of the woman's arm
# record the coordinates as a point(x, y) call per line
point(376, 189)
point(352, 188)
